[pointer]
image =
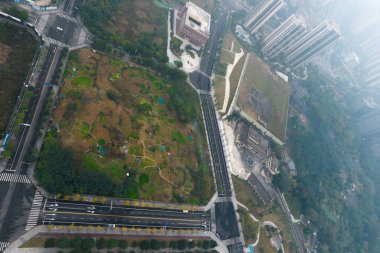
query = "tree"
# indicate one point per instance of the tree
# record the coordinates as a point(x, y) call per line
point(49, 243)
point(191, 244)
point(63, 242)
point(87, 244)
point(16, 12)
point(76, 243)
point(163, 244)
point(123, 244)
point(144, 244)
point(183, 244)
point(213, 244)
point(143, 179)
point(112, 243)
point(100, 243)
point(154, 244)
point(283, 181)
point(173, 244)
point(206, 244)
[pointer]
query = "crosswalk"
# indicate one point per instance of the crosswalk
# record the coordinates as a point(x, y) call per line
point(10, 177)
point(3, 245)
point(64, 15)
point(56, 42)
point(35, 211)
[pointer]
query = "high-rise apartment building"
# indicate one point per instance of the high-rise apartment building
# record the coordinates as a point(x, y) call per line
point(368, 37)
point(288, 33)
point(312, 44)
point(261, 13)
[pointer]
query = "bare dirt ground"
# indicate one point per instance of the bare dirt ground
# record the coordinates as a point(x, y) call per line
point(4, 52)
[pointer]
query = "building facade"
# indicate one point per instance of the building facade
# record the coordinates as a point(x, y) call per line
point(260, 14)
point(312, 44)
point(368, 37)
point(288, 33)
point(193, 24)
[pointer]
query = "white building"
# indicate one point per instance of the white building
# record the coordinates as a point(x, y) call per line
point(312, 44)
point(288, 33)
point(261, 13)
point(193, 24)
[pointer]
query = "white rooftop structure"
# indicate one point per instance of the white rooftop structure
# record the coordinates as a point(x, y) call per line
point(197, 18)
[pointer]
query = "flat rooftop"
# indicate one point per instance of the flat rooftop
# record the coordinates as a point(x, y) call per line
point(197, 18)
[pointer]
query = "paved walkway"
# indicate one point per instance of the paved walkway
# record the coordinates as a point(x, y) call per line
point(230, 68)
point(14, 247)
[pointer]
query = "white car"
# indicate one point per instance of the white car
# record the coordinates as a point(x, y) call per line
point(59, 28)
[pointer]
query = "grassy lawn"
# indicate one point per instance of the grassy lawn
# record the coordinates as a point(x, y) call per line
point(275, 90)
point(264, 245)
point(246, 195)
point(227, 41)
point(227, 57)
point(125, 122)
point(35, 242)
point(83, 81)
point(250, 227)
point(219, 87)
point(234, 78)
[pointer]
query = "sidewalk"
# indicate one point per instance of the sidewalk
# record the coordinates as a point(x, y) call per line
point(71, 231)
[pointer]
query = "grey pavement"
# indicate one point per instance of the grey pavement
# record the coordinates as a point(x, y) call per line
point(67, 231)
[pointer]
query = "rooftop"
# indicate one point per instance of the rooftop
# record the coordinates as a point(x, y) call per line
point(197, 18)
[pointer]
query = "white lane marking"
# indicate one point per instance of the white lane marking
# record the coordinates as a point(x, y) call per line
point(34, 212)
point(17, 178)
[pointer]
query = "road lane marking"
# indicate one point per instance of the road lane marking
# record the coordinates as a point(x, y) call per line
point(179, 211)
point(124, 216)
point(17, 178)
point(35, 210)
point(3, 245)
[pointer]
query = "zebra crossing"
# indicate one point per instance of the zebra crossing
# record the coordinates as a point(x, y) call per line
point(17, 178)
point(35, 211)
point(56, 42)
point(66, 16)
point(3, 245)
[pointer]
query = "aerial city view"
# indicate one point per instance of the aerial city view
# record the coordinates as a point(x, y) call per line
point(189, 126)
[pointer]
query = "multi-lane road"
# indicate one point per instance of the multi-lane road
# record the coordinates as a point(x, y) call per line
point(63, 213)
point(16, 192)
point(33, 113)
point(201, 78)
point(216, 146)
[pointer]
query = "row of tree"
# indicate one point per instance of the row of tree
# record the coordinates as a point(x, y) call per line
point(86, 244)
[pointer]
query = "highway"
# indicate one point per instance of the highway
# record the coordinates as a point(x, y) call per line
point(66, 212)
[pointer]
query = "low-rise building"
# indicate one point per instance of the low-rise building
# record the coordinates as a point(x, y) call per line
point(272, 164)
point(251, 139)
point(193, 23)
